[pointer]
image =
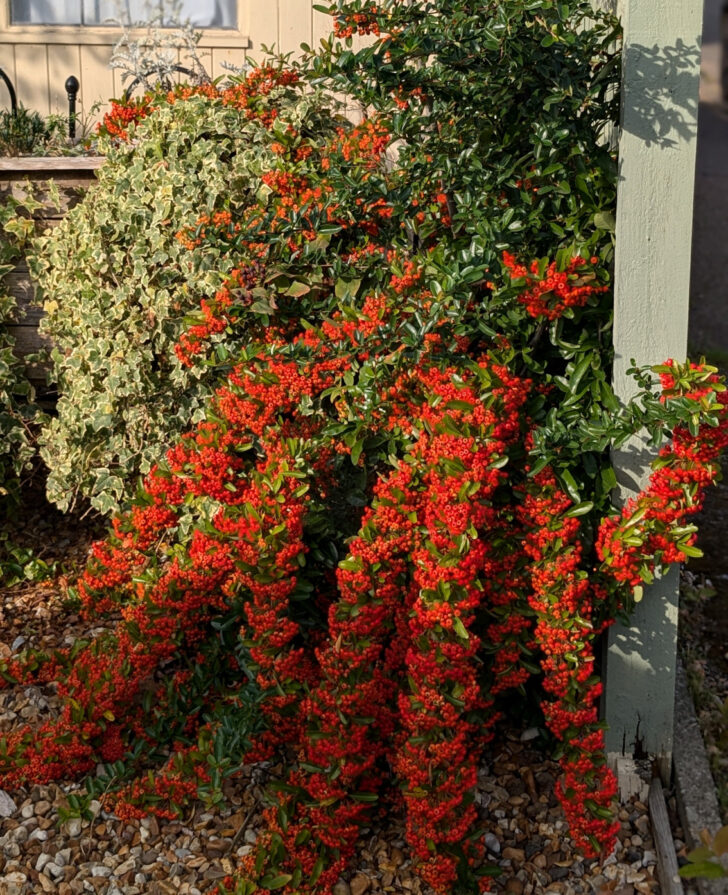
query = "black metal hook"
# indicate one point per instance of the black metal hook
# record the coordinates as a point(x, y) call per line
point(163, 80)
point(11, 91)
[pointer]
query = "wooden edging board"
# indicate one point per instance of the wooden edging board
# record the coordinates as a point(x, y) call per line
point(697, 800)
point(49, 164)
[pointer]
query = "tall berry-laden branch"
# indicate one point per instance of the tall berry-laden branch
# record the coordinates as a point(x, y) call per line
point(444, 710)
point(565, 602)
point(653, 529)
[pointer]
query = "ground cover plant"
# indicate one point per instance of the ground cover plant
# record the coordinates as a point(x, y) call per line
point(18, 410)
point(707, 861)
point(392, 521)
point(116, 283)
point(25, 132)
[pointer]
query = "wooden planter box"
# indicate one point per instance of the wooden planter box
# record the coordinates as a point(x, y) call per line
point(72, 177)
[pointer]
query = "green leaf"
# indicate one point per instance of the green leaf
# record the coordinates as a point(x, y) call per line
point(318, 869)
point(369, 797)
point(569, 483)
point(604, 220)
point(460, 628)
point(609, 479)
point(356, 451)
point(298, 289)
point(720, 841)
point(703, 870)
point(702, 853)
point(276, 882)
point(581, 509)
point(346, 288)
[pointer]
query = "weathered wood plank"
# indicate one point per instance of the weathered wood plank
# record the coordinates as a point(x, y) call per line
point(27, 340)
point(49, 223)
point(72, 185)
point(68, 198)
point(54, 166)
point(19, 285)
point(667, 862)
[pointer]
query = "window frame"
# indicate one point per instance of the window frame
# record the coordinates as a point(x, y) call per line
point(81, 35)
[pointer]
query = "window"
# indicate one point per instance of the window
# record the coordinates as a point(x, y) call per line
point(201, 13)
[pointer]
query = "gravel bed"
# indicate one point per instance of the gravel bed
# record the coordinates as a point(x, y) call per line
point(526, 837)
point(43, 850)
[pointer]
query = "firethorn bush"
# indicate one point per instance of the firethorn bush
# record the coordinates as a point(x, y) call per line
point(393, 519)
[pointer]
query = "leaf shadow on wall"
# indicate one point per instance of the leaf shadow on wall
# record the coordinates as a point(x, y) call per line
point(660, 92)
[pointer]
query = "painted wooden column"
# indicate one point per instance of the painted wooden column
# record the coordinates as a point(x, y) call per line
point(661, 73)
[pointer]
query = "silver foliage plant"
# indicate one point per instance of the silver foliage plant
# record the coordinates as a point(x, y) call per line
point(150, 49)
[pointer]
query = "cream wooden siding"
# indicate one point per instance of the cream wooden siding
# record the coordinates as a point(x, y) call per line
point(38, 59)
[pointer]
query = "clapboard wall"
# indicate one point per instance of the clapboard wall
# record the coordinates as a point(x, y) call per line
point(39, 59)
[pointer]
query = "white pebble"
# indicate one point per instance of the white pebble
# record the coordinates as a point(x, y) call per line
point(7, 805)
point(492, 843)
point(100, 870)
point(54, 869)
point(43, 859)
point(529, 734)
point(73, 827)
point(125, 867)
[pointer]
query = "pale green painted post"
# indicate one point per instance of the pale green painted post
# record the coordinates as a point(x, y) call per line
point(654, 223)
